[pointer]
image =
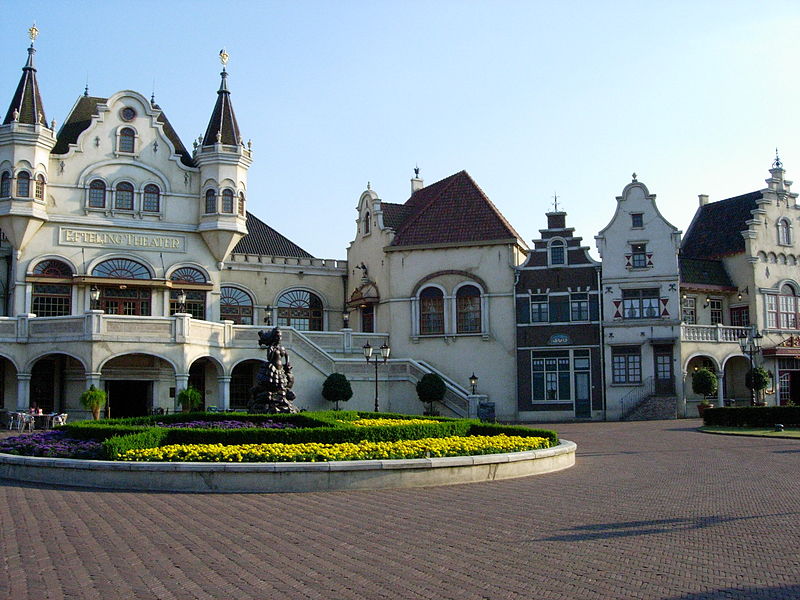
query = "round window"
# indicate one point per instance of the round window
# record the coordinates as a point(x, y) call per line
point(128, 114)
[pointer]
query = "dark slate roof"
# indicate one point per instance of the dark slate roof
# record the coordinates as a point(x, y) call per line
point(27, 99)
point(451, 211)
point(393, 214)
point(223, 119)
point(81, 117)
point(264, 240)
point(708, 272)
point(716, 229)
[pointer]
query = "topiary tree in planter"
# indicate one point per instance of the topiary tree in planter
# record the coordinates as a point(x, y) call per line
point(704, 382)
point(94, 400)
point(190, 399)
point(757, 380)
point(430, 389)
point(337, 389)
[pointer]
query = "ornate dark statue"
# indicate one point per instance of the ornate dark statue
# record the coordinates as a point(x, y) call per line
point(273, 390)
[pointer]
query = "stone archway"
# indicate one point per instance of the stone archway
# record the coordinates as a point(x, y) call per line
point(57, 380)
point(204, 375)
point(137, 384)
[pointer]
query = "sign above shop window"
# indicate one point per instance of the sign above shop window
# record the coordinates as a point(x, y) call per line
point(559, 339)
point(118, 238)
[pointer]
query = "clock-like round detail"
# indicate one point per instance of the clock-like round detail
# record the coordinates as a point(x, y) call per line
point(127, 114)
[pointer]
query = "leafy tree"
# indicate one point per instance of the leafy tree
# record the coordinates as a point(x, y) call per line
point(94, 400)
point(757, 380)
point(430, 389)
point(704, 382)
point(190, 399)
point(337, 389)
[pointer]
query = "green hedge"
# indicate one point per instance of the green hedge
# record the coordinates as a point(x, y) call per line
point(120, 435)
point(752, 416)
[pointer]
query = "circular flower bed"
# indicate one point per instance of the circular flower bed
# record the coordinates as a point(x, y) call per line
point(229, 424)
point(55, 444)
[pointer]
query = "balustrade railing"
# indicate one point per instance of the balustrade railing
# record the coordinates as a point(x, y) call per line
point(712, 333)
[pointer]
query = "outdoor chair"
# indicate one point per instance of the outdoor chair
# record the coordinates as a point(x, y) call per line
point(14, 420)
point(26, 421)
point(60, 419)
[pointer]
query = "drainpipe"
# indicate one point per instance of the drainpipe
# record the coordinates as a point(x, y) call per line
point(602, 343)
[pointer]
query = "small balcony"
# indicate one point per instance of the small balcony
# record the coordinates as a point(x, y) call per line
point(712, 333)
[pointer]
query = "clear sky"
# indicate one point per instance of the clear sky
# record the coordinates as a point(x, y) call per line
point(531, 98)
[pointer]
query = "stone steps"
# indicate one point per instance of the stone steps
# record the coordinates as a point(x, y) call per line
point(653, 408)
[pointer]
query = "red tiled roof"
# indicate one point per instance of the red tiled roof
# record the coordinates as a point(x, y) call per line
point(451, 211)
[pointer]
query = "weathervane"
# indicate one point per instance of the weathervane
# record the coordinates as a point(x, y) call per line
point(777, 164)
point(223, 57)
point(555, 202)
point(33, 32)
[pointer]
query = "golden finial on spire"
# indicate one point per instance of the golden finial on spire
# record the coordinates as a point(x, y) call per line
point(223, 57)
point(33, 32)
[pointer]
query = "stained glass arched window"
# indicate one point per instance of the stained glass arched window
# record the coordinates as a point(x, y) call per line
point(39, 189)
point(211, 201)
point(127, 139)
point(235, 305)
point(52, 299)
point(121, 268)
point(97, 194)
point(468, 309)
point(300, 309)
point(123, 196)
point(5, 185)
point(23, 184)
point(431, 311)
point(151, 201)
point(227, 201)
point(188, 275)
point(52, 268)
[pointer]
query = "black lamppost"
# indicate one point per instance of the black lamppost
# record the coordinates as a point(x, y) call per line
point(750, 343)
point(268, 315)
point(385, 350)
point(94, 296)
point(346, 320)
point(182, 301)
point(473, 381)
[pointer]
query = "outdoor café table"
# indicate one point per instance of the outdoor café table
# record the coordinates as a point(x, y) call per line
point(44, 421)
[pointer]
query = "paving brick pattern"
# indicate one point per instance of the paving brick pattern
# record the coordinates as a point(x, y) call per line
point(651, 510)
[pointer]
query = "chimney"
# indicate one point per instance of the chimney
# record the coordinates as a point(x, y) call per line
point(703, 199)
point(556, 220)
point(416, 181)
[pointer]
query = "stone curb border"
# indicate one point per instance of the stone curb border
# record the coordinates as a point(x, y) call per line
point(285, 477)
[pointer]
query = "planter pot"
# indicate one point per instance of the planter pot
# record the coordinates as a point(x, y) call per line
point(702, 407)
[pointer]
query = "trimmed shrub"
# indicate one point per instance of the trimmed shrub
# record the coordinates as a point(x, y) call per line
point(190, 399)
point(752, 416)
point(337, 389)
point(431, 388)
point(94, 400)
point(704, 382)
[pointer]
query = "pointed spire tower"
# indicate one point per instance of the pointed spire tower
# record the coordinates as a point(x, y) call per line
point(25, 145)
point(223, 160)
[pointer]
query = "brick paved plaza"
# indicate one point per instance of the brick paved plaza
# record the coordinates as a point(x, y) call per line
point(651, 510)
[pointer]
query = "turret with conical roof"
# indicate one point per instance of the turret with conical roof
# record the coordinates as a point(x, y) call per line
point(25, 145)
point(223, 160)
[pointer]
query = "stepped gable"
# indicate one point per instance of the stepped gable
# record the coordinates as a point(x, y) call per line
point(263, 240)
point(452, 211)
point(81, 117)
point(716, 230)
point(702, 271)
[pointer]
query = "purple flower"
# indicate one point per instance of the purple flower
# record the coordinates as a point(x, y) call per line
point(55, 444)
point(230, 424)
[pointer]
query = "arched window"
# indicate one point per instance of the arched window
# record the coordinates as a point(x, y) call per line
point(52, 299)
point(39, 189)
point(431, 311)
point(235, 305)
point(366, 224)
point(242, 211)
point(123, 196)
point(5, 185)
point(468, 309)
point(300, 309)
point(558, 253)
point(782, 309)
point(23, 184)
point(127, 139)
point(97, 194)
point(195, 299)
point(211, 201)
point(784, 232)
point(227, 201)
point(151, 201)
point(121, 268)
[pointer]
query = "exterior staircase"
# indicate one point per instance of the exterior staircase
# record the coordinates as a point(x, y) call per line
point(652, 408)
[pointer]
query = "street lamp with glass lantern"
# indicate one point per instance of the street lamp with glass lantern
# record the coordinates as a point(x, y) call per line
point(473, 381)
point(750, 344)
point(385, 351)
point(94, 296)
point(182, 301)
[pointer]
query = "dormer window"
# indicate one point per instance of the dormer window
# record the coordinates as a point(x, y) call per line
point(784, 232)
point(123, 196)
point(211, 201)
point(97, 194)
point(227, 201)
point(23, 184)
point(558, 252)
point(127, 140)
point(366, 224)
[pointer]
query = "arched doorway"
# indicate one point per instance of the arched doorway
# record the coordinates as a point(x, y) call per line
point(696, 363)
point(55, 378)
point(136, 383)
point(243, 378)
point(203, 376)
point(8, 384)
point(736, 390)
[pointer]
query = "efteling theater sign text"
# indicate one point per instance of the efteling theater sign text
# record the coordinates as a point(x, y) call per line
point(110, 238)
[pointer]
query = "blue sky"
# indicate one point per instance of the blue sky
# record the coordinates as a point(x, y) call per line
point(530, 98)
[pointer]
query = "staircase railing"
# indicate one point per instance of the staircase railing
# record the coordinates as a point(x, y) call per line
point(631, 401)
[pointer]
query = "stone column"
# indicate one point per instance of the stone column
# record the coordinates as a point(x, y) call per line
point(720, 391)
point(224, 392)
point(23, 391)
point(181, 383)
